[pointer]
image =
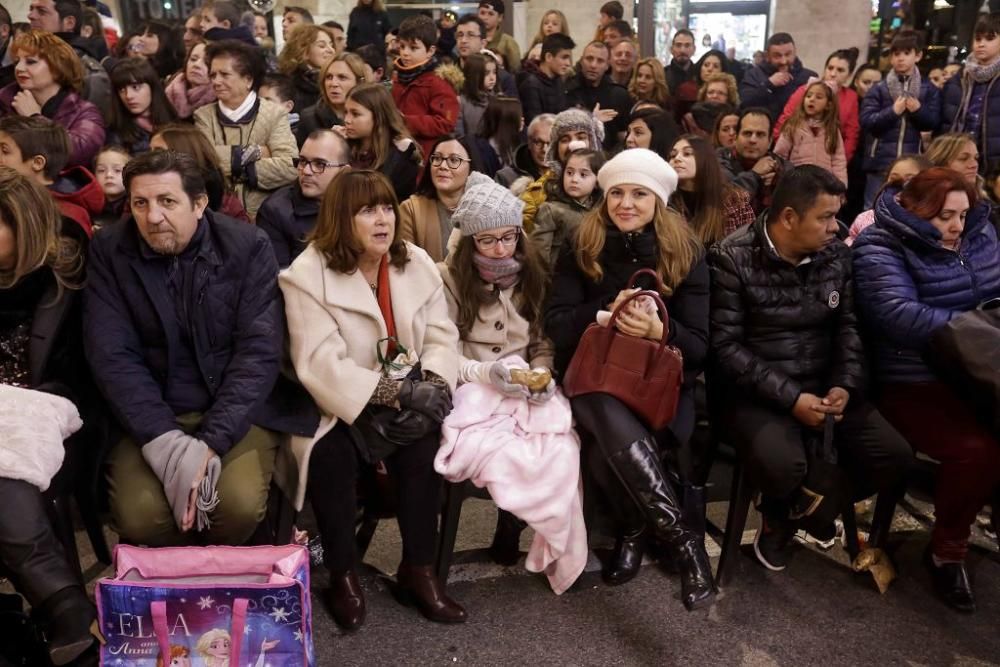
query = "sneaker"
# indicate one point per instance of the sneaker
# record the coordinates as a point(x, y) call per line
point(823, 541)
point(771, 543)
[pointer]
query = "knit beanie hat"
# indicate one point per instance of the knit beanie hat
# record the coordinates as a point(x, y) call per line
point(639, 166)
point(487, 205)
point(573, 120)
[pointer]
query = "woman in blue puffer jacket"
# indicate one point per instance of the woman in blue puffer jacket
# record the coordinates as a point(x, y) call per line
point(932, 254)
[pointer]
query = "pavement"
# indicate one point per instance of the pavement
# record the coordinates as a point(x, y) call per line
point(816, 612)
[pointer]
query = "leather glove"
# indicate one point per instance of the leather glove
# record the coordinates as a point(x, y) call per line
point(409, 426)
point(500, 379)
point(428, 398)
point(544, 395)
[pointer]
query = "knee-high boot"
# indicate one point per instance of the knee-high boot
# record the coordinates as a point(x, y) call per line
point(640, 471)
point(37, 566)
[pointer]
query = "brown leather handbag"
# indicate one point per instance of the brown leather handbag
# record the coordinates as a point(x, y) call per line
point(643, 374)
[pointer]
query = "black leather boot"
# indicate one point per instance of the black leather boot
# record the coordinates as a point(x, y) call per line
point(640, 471)
point(626, 559)
point(66, 618)
point(506, 549)
point(693, 516)
point(951, 583)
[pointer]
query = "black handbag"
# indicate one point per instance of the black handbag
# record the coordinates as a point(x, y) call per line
point(966, 353)
point(373, 433)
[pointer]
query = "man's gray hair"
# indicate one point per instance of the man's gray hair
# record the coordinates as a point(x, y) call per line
point(541, 118)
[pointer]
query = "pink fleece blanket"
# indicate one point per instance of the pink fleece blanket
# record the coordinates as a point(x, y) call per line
point(528, 457)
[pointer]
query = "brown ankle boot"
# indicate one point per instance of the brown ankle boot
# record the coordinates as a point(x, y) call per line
point(347, 600)
point(419, 586)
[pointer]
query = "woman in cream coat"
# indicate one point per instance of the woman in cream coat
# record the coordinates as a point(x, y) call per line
point(355, 286)
point(251, 135)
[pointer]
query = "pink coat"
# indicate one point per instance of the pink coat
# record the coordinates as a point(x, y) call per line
point(808, 146)
point(850, 125)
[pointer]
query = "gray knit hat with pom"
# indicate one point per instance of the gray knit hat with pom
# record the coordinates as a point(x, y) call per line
point(486, 205)
point(573, 120)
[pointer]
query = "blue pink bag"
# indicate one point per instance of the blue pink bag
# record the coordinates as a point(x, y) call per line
point(212, 606)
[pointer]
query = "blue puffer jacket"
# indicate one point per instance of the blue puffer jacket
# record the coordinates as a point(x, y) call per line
point(988, 136)
point(213, 348)
point(907, 285)
point(887, 136)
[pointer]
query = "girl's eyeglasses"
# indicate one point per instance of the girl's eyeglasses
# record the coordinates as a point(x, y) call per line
point(489, 242)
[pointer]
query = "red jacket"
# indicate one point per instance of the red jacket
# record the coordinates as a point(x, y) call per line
point(79, 196)
point(850, 125)
point(429, 106)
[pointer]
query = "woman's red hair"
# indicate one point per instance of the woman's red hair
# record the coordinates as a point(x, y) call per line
point(924, 194)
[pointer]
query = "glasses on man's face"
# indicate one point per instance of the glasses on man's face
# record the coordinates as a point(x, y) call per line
point(453, 161)
point(318, 166)
point(539, 143)
point(468, 35)
point(489, 242)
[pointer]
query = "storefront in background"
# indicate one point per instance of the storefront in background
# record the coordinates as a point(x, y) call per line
point(736, 28)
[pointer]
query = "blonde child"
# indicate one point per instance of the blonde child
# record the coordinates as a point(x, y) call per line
point(567, 201)
point(812, 133)
point(108, 166)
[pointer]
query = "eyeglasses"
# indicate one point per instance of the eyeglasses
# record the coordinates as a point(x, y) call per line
point(489, 242)
point(318, 166)
point(539, 143)
point(453, 161)
point(468, 35)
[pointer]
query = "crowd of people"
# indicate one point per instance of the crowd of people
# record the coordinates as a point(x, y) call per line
point(382, 247)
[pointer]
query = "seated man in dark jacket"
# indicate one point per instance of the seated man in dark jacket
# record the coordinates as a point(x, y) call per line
point(289, 213)
point(183, 330)
point(750, 164)
point(788, 356)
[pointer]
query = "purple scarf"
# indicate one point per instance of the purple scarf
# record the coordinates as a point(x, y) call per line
point(500, 272)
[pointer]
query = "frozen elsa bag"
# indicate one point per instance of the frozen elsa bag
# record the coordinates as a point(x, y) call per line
point(211, 606)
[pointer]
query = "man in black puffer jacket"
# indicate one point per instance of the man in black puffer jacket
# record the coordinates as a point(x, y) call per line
point(788, 354)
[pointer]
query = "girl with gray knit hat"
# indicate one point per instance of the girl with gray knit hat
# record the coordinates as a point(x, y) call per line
point(630, 229)
point(572, 129)
point(495, 288)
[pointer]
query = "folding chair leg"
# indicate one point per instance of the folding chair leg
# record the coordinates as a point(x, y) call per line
point(450, 514)
point(885, 510)
point(736, 521)
point(92, 523)
point(850, 520)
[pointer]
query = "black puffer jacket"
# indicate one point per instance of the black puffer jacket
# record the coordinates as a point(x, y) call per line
point(779, 330)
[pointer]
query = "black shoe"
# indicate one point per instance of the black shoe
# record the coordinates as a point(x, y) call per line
point(347, 600)
point(420, 587)
point(625, 560)
point(640, 471)
point(67, 616)
point(697, 586)
point(951, 583)
point(771, 545)
point(506, 547)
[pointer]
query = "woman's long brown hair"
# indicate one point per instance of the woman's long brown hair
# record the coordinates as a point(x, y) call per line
point(679, 247)
point(387, 122)
point(708, 219)
point(529, 293)
point(31, 213)
point(830, 119)
point(334, 234)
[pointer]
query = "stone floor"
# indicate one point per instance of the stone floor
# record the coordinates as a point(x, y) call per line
point(816, 612)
